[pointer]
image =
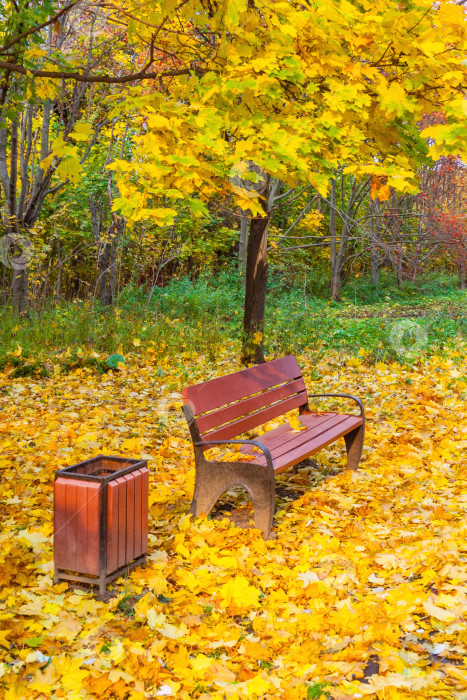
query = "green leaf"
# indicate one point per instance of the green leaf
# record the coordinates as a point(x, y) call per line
point(34, 642)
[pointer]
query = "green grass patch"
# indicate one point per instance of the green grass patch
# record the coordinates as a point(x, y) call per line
point(316, 691)
point(204, 315)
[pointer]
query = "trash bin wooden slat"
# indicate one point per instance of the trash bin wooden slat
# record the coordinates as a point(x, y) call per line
point(100, 515)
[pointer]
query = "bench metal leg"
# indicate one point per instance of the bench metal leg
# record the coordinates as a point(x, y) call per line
point(214, 478)
point(354, 444)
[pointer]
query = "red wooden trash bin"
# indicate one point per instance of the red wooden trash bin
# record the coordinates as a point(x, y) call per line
point(100, 520)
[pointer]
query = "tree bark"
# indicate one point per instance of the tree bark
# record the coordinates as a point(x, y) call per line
point(103, 266)
point(59, 273)
point(19, 291)
point(336, 256)
point(13, 174)
point(242, 246)
point(119, 228)
point(374, 242)
point(335, 283)
point(255, 285)
point(332, 225)
point(19, 283)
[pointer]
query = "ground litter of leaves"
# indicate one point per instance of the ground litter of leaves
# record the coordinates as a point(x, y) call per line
point(361, 595)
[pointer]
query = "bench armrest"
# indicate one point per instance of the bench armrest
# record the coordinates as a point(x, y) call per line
point(262, 447)
point(341, 396)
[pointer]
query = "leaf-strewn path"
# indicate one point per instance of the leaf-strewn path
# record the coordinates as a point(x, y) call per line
point(366, 580)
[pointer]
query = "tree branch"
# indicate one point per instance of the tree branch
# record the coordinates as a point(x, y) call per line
point(107, 79)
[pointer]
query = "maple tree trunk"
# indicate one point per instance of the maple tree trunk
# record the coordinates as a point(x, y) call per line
point(256, 279)
point(335, 283)
point(398, 268)
point(335, 268)
point(242, 246)
point(335, 265)
point(19, 281)
point(339, 264)
point(19, 291)
point(59, 273)
point(332, 226)
point(375, 228)
point(103, 266)
point(119, 228)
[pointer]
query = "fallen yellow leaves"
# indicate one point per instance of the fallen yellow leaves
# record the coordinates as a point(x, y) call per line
point(362, 594)
point(295, 423)
point(238, 595)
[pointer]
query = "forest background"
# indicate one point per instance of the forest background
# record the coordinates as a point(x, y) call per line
point(162, 166)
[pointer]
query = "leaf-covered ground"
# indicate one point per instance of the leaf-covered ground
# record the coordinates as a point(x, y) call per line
point(362, 594)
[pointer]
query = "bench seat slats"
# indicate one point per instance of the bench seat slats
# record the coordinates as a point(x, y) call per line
point(313, 432)
point(279, 436)
point(238, 385)
point(302, 447)
point(295, 456)
point(253, 420)
point(288, 447)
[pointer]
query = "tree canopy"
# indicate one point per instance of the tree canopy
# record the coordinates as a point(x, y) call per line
point(299, 88)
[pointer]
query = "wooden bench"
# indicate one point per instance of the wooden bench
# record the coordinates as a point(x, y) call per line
point(220, 410)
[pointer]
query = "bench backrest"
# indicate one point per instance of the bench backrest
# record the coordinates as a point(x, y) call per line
point(228, 406)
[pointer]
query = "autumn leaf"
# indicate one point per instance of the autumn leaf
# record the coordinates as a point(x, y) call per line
point(257, 337)
point(238, 594)
point(379, 189)
point(3, 638)
point(295, 424)
point(155, 619)
point(437, 612)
